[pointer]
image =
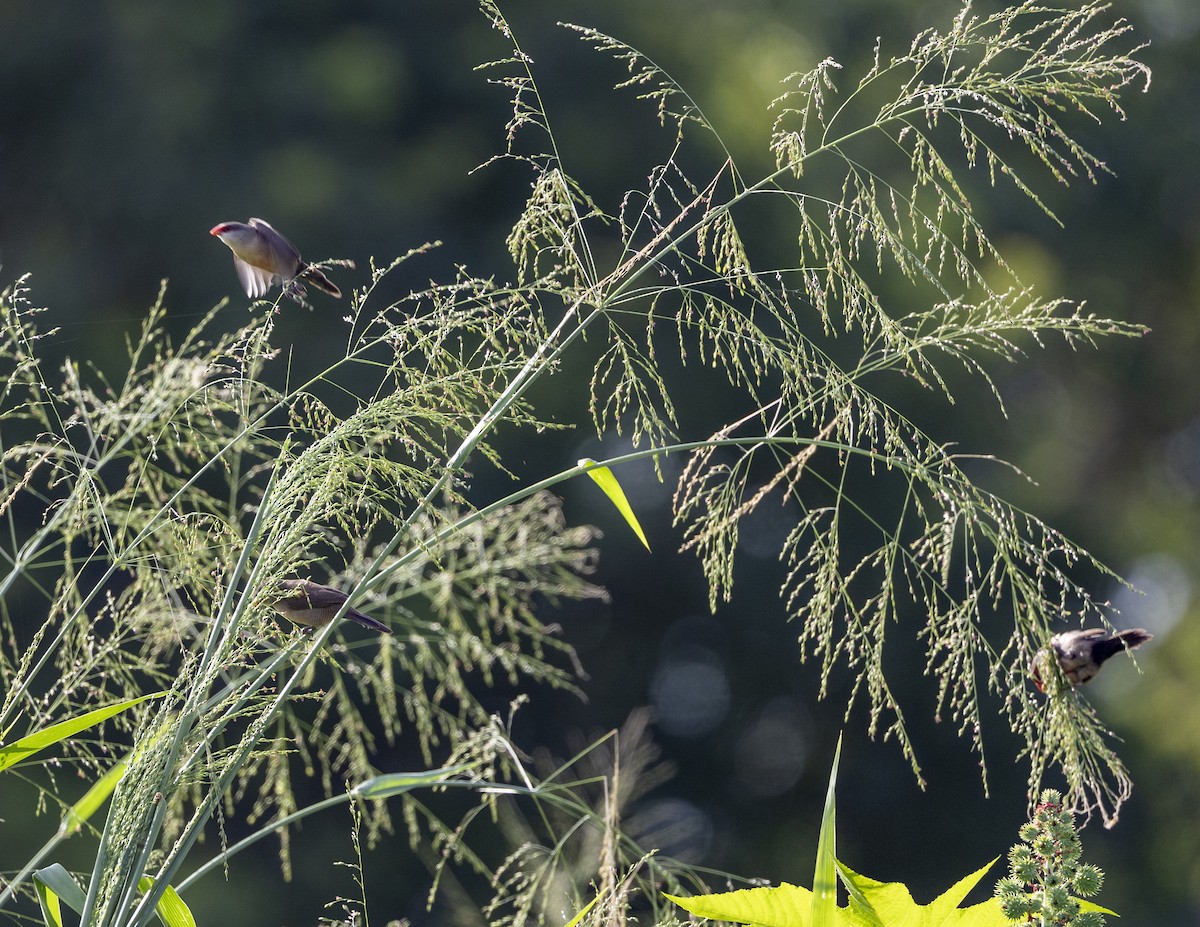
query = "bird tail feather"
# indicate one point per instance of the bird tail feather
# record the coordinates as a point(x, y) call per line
point(1129, 639)
point(1135, 637)
point(367, 621)
point(320, 281)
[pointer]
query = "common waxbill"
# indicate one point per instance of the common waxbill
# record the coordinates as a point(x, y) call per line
point(314, 605)
point(1080, 654)
point(263, 258)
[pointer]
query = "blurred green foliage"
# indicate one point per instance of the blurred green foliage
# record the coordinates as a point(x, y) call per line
point(127, 129)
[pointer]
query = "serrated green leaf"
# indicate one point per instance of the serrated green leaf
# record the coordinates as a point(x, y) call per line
point(951, 898)
point(605, 479)
point(19, 750)
point(170, 909)
point(872, 904)
point(781, 906)
point(891, 903)
point(861, 912)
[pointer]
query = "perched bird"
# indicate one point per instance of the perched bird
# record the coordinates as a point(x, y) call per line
point(263, 258)
point(312, 604)
point(1080, 654)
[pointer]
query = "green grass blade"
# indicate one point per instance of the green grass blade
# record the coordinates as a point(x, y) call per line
point(51, 909)
point(55, 880)
point(824, 901)
point(98, 794)
point(582, 914)
point(30, 744)
point(608, 482)
point(92, 799)
point(170, 909)
point(391, 784)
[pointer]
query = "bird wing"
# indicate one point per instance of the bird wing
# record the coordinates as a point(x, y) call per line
point(320, 596)
point(1072, 645)
point(255, 280)
point(283, 253)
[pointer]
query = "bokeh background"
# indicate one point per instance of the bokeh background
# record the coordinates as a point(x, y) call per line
point(128, 129)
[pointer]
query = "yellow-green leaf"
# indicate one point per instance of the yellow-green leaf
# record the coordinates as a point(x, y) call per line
point(19, 750)
point(871, 903)
point(782, 906)
point(608, 482)
point(53, 884)
point(98, 794)
point(48, 899)
point(892, 903)
point(170, 908)
point(92, 799)
point(582, 914)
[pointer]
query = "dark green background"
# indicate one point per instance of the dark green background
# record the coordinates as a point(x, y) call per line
point(128, 129)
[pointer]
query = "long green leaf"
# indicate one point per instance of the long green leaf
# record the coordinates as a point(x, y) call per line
point(608, 482)
point(48, 899)
point(824, 900)
point(92, 799)
point(55, 880)
point(19, 750)
point(54, 883)
point(98, 794)
point(390, 784)
point(170, 909)
point(583, 913)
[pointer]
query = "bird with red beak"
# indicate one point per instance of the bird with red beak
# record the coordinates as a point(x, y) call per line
point(1080, 654)
point(264, 258)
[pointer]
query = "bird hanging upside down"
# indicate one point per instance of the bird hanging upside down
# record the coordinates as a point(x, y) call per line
point(314, 605)
point(263, 258)
point(1080, 654)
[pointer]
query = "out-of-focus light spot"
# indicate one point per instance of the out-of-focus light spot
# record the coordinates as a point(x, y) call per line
point(1029, 260)
point(305, 176)
point(1182, 458)
point(763, 532)
point(771, 753)
point(1172, 20)
point(361, 75)
point(674, 827)
point(1160, 597)
point(690, 692)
